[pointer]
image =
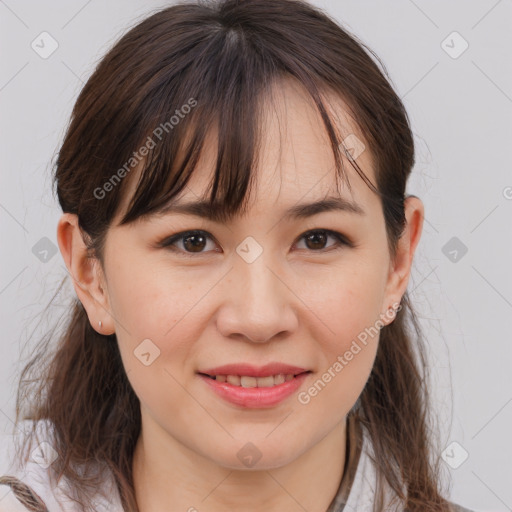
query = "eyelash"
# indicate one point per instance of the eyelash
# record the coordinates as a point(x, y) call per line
point(169, 241)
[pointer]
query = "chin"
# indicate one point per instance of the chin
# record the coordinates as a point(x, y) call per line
point(258, 455)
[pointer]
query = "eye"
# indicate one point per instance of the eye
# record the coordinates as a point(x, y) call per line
point(195, 241)
point(316, 239)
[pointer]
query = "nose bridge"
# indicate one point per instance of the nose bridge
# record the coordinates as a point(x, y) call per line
point(260, 284)
point(257, 302)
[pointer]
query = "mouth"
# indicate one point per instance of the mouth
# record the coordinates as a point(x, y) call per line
point(248, 381)
point(247, 386)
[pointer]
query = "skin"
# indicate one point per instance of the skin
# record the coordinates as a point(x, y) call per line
point(295, 304)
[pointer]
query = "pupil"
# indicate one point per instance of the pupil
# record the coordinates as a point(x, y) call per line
point(314, 237)
point(197, 246)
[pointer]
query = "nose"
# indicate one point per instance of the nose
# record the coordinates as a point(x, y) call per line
point(257, 304)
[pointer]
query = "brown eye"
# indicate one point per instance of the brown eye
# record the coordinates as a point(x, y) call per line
point(316, 240)
point(192, 242)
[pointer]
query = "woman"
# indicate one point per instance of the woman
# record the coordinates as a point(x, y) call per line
point(236, 229)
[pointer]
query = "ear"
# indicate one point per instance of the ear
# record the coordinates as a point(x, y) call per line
point(86, 272)
point(400, 267)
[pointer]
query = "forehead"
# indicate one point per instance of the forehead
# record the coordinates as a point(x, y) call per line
point(295, 162)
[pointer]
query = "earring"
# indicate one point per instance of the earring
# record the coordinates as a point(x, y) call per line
point(395, 310)
point(100, 324)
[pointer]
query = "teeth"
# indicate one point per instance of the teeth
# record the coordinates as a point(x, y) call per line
point(254, 382)
point(249, 382)
point(233, 379)
point(279, 379)
point(262, 382)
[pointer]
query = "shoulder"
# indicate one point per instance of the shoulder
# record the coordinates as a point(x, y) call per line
point(362, 493)
point(28, 481)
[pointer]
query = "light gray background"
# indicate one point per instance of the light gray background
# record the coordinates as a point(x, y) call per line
point(460, 110)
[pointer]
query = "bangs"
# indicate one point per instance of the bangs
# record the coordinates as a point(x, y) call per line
point(226, 98)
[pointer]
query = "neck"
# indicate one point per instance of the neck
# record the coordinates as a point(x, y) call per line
point(166, 472)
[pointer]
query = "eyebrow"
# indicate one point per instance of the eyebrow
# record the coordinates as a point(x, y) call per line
point(203, 209)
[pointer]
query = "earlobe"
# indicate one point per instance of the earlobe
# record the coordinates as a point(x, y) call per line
point(86, 274)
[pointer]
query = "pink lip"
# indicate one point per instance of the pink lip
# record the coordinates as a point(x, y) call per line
point(254, 371)
point(254, 398)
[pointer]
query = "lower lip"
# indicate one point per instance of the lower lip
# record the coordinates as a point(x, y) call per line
point(255, 398)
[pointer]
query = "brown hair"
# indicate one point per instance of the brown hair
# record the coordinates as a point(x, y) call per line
point(220, 58)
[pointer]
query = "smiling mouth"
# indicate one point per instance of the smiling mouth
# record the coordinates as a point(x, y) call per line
point(246, 381)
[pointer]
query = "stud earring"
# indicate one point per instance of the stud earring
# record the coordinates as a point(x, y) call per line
point(100, 323)
point(395, 307)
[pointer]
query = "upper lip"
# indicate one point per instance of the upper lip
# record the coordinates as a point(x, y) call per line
point(254, 371)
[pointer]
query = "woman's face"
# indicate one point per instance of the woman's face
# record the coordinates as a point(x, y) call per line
point(259, 290)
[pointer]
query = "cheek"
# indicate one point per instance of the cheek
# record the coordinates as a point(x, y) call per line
point(154, 301)
point(345, 299)
point(347, 351)
point(346, 310)
point(163, 305)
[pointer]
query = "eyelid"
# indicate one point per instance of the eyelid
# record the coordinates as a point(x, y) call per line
point(168, 242)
